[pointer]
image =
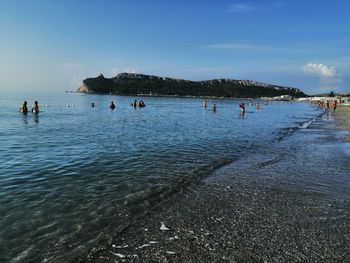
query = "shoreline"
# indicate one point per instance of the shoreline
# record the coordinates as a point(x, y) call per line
point(245, 211)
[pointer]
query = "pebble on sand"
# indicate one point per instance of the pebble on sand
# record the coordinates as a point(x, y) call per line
point(163, 227)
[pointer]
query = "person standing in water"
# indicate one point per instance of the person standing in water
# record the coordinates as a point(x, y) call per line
point(23, 109)
point(92, 105)
point(112, 105)
point(334, 105)
point(326, 106)
point(35, 107)
point(257, 106)
point(204, 103)
point(214, 108)
point(242, 107)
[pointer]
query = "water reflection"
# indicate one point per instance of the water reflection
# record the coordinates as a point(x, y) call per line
point(36, 118)
point(25, 118)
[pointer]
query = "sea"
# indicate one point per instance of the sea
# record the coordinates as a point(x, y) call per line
point(73, 174)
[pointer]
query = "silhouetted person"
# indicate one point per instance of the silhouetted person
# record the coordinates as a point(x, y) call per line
point(92, 105)
point(112, 105)
point(214, 108)
point(35, 107)
point(23, 109)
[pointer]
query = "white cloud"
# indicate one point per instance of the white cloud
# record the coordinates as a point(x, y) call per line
point(240, 8)
point(329, 77)
point(321, 70)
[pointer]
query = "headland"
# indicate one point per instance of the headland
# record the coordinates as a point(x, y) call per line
point(147, 85)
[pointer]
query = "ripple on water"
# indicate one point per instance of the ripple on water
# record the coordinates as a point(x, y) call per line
point(74, 173)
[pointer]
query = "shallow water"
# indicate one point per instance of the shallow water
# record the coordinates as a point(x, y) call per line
point(71, 174)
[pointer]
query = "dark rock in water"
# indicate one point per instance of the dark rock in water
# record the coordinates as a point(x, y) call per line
point(140, 84)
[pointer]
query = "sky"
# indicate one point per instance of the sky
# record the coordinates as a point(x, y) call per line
point(55, 44)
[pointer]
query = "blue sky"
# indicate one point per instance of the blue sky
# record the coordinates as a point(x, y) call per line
point(54, 45)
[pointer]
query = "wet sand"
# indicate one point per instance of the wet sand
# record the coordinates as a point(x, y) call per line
point(342, 119)
point(269, 207)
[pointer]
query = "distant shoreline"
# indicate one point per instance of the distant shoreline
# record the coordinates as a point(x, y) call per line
point(179, 96)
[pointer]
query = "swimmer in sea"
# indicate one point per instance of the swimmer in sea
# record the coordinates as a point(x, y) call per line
point(112, 105)
point(92, 105)
point(214, 108)
point(134, 104)
point(257, 106)
point(35, 107)
point(23, 109)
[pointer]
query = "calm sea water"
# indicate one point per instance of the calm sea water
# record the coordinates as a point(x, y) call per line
point(73, 173)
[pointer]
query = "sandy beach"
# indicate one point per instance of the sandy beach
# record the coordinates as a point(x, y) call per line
point(342, 119)
point(280, 209)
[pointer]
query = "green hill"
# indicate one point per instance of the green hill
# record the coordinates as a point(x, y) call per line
point(137, 84)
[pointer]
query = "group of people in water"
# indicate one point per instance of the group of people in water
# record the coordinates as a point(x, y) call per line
point(241, 106)
point(35, 108)
point(135, 104)
point(139, 104)
point(24, 109)
point(326, 105)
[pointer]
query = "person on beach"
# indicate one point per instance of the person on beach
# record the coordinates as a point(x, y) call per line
point(242, 107)
point(23, 109)
point(35, 107)
point(112, 105)
point(204, 103)
point(214, 108)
